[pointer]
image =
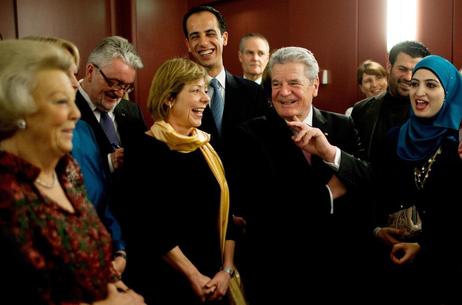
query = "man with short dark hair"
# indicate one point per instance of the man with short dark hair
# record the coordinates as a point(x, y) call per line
point(374, 116)
point(206, 36)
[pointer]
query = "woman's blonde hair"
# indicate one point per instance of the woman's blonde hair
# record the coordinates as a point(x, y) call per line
point(168, 82)
point(60, 42)
point(20, 61)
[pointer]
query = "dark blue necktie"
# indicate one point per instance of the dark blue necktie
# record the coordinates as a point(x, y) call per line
point(109, 129)
point(217, 104)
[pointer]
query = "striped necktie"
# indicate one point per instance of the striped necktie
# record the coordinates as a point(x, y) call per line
point(217, 104)
point(108, 126)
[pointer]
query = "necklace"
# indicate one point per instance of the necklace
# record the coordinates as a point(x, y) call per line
point(421, 173)
point(50, 185)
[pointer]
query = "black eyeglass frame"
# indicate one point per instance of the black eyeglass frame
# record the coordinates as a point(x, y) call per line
point(114, 83)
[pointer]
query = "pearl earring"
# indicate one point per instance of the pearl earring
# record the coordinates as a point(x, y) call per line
point(21, 123)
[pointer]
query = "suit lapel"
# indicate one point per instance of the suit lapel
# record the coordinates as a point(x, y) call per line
point(231, 85)
point(88, 116)
point(319, 121)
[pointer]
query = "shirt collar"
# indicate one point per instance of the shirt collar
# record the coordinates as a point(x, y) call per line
point(221, 77)
point(258, 80)
point(309, 118)
point(91, 105)
point(87, 99)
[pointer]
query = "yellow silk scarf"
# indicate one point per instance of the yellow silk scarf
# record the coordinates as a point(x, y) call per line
point(164, 132)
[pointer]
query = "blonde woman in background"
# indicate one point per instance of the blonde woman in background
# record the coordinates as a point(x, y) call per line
point(372, 79)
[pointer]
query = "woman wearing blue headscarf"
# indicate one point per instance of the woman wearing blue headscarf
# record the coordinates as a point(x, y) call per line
point(424, 170)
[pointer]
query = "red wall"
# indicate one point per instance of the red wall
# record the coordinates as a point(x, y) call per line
point(341, 33)
point(457, 34)
point(84, 22)
point(434, 25)
point(7, 19)
point(159, 36)
point(331, 34)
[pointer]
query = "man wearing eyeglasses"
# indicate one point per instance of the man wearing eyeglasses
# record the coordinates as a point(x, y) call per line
point(109, 76)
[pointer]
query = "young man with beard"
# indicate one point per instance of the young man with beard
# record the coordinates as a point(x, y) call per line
point(375, 116)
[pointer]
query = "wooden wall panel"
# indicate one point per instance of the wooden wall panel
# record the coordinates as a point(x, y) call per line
point(372, 34)
point(243, 16)
point(434, 24)
point(159, 36)
point(341, 33)
point(329, 29)
point(457, 34)
point(7, 19)
point(122, 15)
point(84, 22)
point(372, 31)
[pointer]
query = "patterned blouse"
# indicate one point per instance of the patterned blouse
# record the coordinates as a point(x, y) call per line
point(71, 252)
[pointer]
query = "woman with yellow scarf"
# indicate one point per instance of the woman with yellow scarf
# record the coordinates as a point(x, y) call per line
point(182, 210)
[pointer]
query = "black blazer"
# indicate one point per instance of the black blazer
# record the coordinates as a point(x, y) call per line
point(128, 117)
point(374, 117)
point(285, 202)
point(244, 100)
point(340, 131)
point(271, 138)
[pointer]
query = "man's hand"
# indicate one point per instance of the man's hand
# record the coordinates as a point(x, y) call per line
point(403, 253)
point(312, 140)
point(117, 158)
point(390, 236)
point(336, 187)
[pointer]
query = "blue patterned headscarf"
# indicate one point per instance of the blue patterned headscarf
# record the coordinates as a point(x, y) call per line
point(420, 137)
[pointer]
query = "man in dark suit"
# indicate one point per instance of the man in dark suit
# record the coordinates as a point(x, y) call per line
point(206, 35)
point(375, 116)
point(296, 177)
point(109, 75)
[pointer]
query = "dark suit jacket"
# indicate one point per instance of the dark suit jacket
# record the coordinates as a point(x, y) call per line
point(374, 117)
point(128, 117)
point(130, 124)
point(285, 202)
point(244, 100)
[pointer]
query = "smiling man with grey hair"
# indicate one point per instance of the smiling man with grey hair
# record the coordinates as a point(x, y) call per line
point(109, 77)
point(305, 162)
